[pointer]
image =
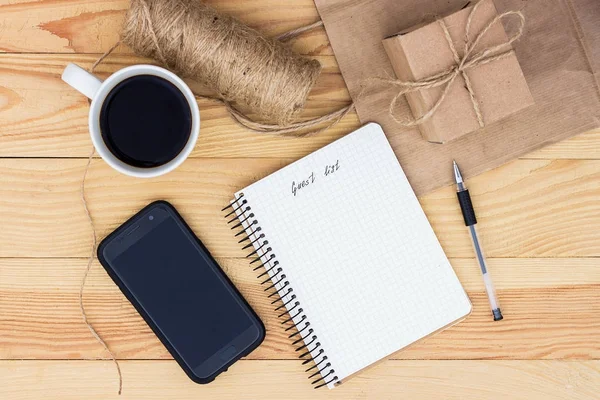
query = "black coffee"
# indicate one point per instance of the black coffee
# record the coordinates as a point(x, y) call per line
point(145, 121)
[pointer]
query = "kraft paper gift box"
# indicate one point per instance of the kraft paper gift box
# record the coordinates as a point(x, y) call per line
point(498, 86)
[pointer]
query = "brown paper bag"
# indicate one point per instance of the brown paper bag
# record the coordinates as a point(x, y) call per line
point(559, 55)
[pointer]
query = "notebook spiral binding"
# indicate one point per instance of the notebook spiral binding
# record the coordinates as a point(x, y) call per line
point(241, 211)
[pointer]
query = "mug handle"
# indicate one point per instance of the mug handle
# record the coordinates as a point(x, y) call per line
point(81, 80)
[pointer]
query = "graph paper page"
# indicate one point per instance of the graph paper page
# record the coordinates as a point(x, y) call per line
point(358, 251)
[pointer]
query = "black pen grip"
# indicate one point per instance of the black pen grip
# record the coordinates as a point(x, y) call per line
point(466, 207)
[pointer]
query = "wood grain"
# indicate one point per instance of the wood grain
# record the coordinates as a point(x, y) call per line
point(528, 208)
point(43, 117)
point(552, 310)
point(586, 145)
point(415, 380)
point(538, 218)
point(81, 26)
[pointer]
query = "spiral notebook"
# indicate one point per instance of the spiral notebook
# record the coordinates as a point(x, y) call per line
point(340, 239)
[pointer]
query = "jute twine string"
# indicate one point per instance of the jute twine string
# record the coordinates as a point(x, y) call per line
point(246, 70)
point(468, 61)
point(239, 118)
point(90, 260)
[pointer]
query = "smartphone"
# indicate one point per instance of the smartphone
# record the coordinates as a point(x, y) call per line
point(181, 292)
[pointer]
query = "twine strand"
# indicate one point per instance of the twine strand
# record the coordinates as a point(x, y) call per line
point(298, 31)
point(102, 57)
point(462, 65)
point(295, 130)
point(90, 260)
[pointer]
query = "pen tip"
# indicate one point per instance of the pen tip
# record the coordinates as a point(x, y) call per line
point(457, 174)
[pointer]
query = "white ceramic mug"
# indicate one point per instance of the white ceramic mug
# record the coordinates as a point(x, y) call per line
point(97, 90)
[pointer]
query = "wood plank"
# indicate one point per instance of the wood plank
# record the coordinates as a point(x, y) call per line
point(586, 145)
point(551, 308)
point(44, 117)
point(415, 380)
point(527, 208)
point(82, 26)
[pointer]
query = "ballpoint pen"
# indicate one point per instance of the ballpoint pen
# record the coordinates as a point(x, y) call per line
point(470, 221)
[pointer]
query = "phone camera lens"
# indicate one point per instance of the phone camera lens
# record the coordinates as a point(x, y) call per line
point(151, 217)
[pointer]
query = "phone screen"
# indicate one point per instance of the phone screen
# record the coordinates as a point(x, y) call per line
point(176, 284)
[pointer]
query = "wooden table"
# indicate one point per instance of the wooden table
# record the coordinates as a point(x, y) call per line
point(539, 217)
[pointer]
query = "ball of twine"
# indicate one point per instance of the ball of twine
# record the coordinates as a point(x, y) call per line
point(257, 74)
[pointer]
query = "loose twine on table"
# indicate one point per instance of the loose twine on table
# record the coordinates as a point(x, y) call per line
point(467, 62)
point(242, 120)
point(90, 260)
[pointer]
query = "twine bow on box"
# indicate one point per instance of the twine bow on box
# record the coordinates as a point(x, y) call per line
point(462, 65)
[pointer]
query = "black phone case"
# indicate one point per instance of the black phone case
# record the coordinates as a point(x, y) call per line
point(140, 310)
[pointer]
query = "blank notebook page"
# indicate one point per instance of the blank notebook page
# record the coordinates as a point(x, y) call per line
point(358, 251)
